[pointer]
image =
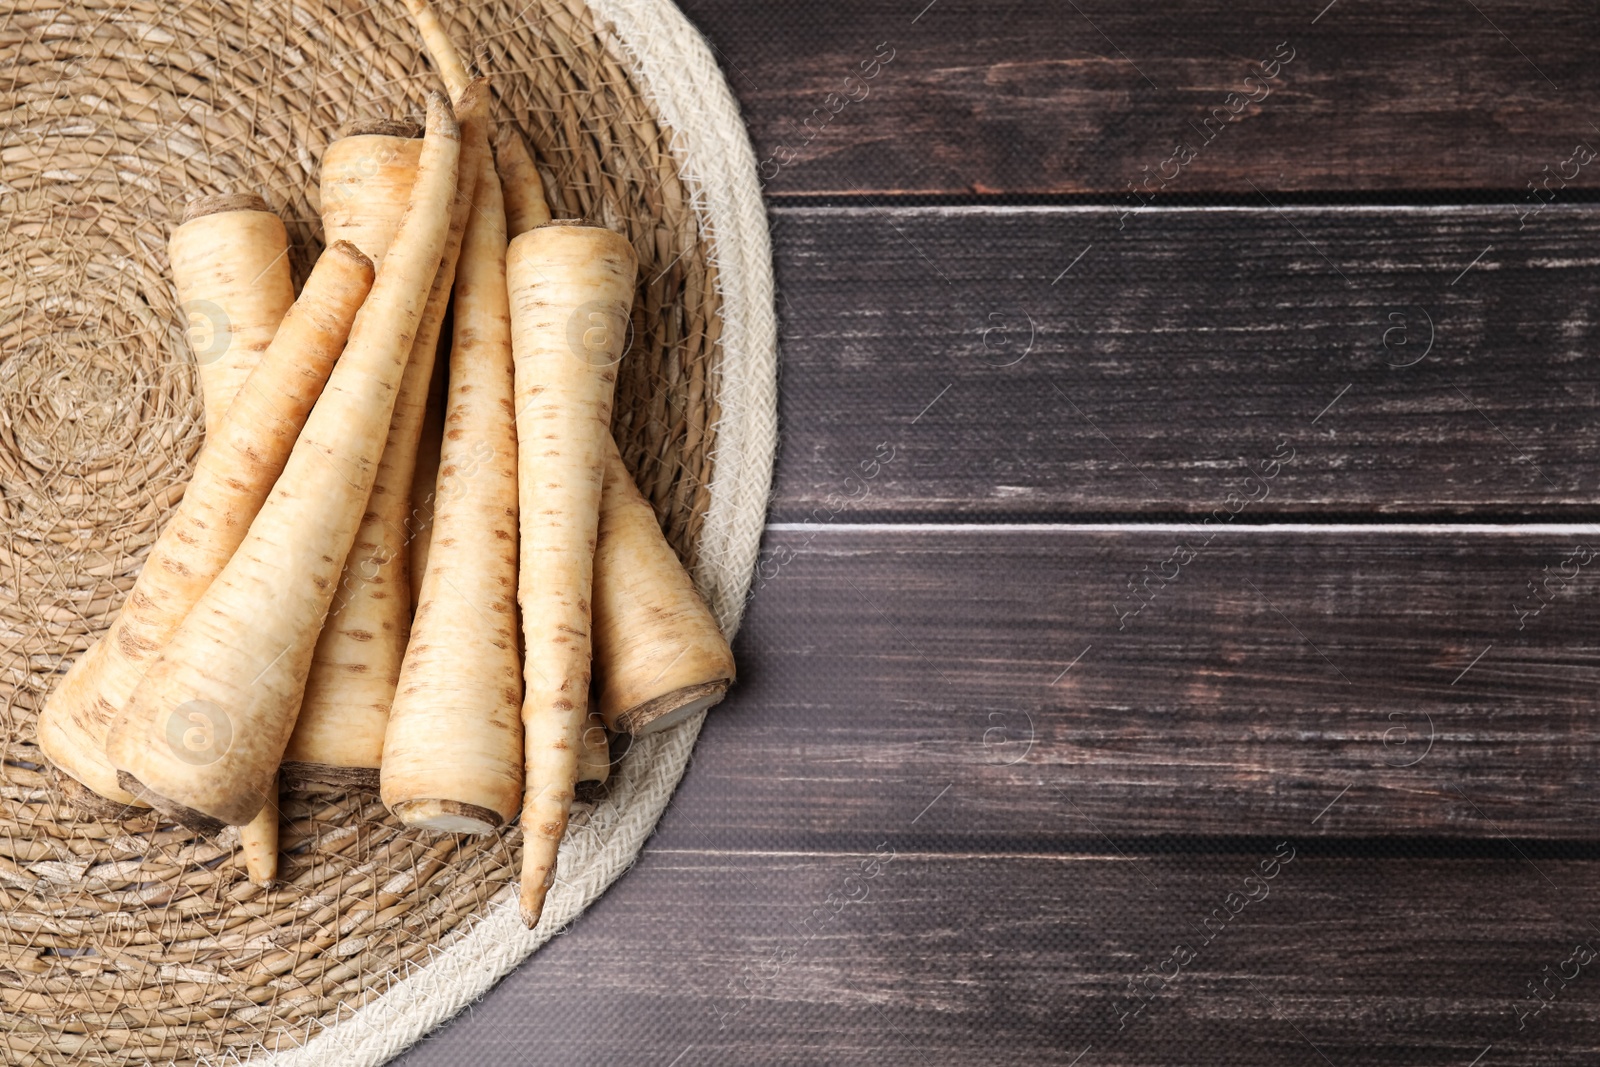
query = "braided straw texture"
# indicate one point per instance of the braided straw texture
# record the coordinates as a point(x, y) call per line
point(133, 942)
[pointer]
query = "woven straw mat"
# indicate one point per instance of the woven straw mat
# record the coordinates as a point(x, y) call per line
point(132, 942)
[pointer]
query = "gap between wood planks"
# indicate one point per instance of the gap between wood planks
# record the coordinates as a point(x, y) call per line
point(1081, 848)
point(1495, 201)
point(1529, 528)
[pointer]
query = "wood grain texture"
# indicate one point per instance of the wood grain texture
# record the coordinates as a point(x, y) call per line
point(1377, 673)
point(1040, 363)
point(1035, 97)
point(1037, 792)
point(951, 956)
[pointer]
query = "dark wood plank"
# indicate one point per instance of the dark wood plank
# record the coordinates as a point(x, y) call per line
point(1034, 97)
point(1377, 673)
point(1177, 352)
point(951, 957)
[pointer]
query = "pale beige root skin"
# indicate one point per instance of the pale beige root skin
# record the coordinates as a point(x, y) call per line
point(203, 734)
point(657, 647)
point(452, 756)
point(230, 265)
point(425, 479)
point(571, 288)
point(235, 472)
point(442, 50)
point(363, 188)
point(658, 654)
point(594, 759)
point(366, 179)
point(521, 186)
point(526, 206)
point(258, 840)
point(453, 73)
point(356, 665)
point(220, 376)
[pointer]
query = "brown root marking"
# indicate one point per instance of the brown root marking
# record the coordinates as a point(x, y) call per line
point(87, 802)
point(187, 817)
point(298, 771)
point(133, 646)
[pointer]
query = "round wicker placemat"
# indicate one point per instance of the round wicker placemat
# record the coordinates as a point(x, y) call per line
point(132, 942)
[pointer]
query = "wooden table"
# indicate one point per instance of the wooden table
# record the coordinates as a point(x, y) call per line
point(1174, 639)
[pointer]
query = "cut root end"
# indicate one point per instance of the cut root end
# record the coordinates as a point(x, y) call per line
point(87, 802)
point(670, 709)
point(345, 248)
point(217, 203)
point(381, 127)
point(187, 817)
point(447, 816)
point(296, 773)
